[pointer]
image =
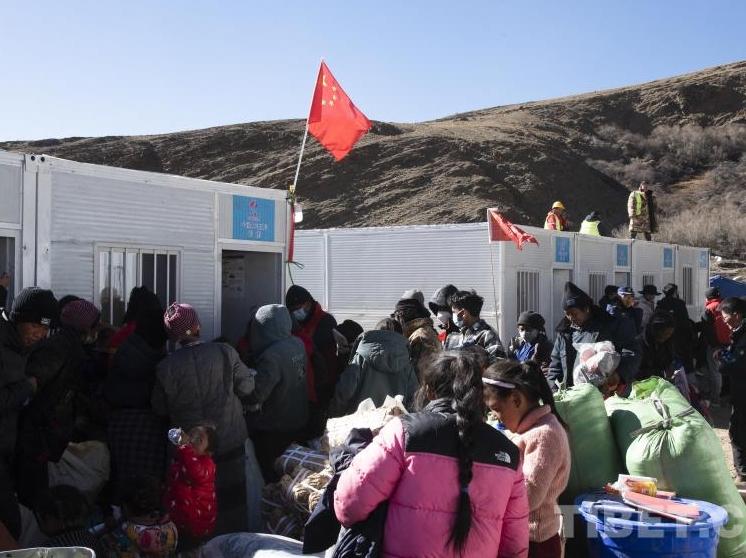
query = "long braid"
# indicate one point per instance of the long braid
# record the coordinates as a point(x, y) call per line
point(469, 407)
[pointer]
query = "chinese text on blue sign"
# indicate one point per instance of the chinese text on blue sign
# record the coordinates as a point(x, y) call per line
point(253, 219)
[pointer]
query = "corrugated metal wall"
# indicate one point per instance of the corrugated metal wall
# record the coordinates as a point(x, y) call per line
point(369, 269)
point(88, 210)
point(364, 271)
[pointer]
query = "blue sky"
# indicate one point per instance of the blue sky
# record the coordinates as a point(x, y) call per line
point(74, 68)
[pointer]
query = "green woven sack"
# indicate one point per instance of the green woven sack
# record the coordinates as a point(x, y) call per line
point(661, 436)
point(595, 459)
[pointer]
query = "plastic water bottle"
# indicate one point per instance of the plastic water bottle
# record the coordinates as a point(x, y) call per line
point(176, 436)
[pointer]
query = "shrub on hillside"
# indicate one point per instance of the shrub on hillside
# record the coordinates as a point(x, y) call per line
point(669, 153)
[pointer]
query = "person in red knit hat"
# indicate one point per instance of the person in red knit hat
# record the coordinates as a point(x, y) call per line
point(190, 498)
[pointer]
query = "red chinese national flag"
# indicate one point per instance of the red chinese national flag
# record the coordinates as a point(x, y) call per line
point(501, 229)
point(334, 120)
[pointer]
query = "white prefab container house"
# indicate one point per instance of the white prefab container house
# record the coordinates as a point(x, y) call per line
point(97, 232)
point(359, 274)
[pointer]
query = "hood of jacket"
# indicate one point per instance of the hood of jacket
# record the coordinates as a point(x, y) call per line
point(413, 325)
point(387, 351)
point(271, 324)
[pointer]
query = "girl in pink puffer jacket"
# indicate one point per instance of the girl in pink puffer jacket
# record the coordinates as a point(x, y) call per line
point(453, 483)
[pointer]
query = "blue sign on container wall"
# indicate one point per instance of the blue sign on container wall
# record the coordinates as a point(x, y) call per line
point(562, 250)
point(622, 255)
point(668, 257)
point(253, 219)
point(704, 259)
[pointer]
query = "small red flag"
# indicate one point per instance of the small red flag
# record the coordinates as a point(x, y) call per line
point(501, 230)
point(334, 120)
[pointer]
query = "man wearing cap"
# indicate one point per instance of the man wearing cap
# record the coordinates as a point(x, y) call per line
point(34, 311)
point(47, 423)
point(624, 307)
point(584, 322)
point(647, 302)
point(531, 343)
point(683, 337)
point(556, 218)
point(717, 336)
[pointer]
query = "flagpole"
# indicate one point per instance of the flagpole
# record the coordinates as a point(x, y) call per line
point(303, 145)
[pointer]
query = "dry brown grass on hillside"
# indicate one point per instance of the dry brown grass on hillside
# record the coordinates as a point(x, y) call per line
point(722, 228)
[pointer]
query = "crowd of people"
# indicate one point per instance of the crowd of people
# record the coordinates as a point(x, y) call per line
point(640, 210)
point(175, 413)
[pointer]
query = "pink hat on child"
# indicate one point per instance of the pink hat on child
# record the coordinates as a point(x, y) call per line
point(181, 320)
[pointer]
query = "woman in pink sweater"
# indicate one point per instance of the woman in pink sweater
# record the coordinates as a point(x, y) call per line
point(520, 396)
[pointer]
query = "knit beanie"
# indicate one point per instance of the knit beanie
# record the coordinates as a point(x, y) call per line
point(575, 297)
point(296, 296)
point(410, 309)
point(531, 319)
point(79, 315)
point(35, 305)
point(181, 321)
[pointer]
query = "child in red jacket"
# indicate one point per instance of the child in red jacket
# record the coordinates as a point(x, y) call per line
point(190, 498)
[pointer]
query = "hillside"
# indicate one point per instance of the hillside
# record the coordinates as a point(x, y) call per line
point(687, 135)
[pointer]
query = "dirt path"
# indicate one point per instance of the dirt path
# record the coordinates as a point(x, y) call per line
point(721, 417)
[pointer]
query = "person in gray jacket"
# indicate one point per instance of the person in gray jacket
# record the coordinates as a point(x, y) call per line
point(280, 400)
point(473, 330)
point(206, 383)
point(380, 366)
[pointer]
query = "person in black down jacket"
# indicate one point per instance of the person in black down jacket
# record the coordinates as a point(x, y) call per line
point(683, 335)
point(584, 322)
point(137, 436)
point(47, 423)
point(656, 344)
point(733, 364)
point(34, 310)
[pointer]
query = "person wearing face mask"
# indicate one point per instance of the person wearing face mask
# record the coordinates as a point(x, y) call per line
point(440, 306)
point(522, 400)
point(473, 330)
point(47, 424)
point(584, 322)
point(531, 343)
point(33, 312)
point(624, 307)
point(312, 321)
point(732, 361)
